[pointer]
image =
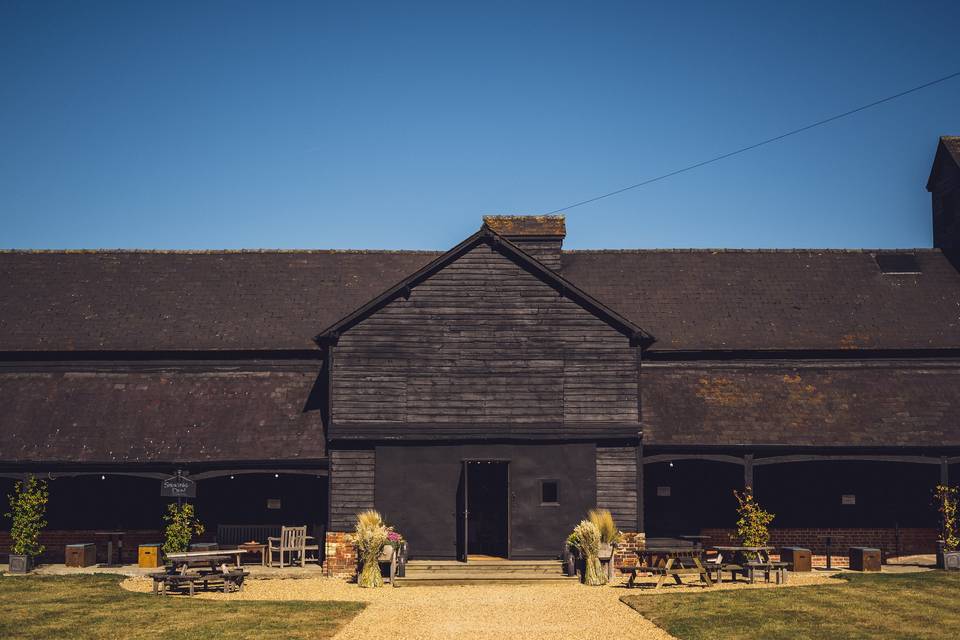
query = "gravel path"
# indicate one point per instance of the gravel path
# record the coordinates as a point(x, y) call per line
point(548, 611)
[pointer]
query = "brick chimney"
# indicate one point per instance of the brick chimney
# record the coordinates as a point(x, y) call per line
point(540, 236)
point(944, 188)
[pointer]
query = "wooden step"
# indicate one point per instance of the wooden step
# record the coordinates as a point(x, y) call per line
point(443, 572)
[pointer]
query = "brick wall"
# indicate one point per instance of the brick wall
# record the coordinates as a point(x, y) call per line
point(56, 541)
point(340, 557)
point(907, 541)
point(629, 543)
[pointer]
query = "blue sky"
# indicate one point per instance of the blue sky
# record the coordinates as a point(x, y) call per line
point(397, 125)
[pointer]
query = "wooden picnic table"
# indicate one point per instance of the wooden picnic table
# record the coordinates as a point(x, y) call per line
point(740, 561)
point(213, 557)
point(669, 561)
point(696, 540)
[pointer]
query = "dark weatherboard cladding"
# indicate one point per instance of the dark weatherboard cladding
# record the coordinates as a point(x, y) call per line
point(484, 340)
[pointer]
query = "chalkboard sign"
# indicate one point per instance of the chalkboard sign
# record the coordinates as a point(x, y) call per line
point(178, 486)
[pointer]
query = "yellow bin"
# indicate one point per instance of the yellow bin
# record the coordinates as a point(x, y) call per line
point(149, 556)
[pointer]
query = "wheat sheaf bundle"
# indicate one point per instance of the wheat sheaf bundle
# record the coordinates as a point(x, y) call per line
point(605, 524)
point(370, 536)
point(588, 541)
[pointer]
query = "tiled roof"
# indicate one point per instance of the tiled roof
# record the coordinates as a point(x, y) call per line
point(808, 406)
point(775, 300)
point(256, 300)
point(117, 417)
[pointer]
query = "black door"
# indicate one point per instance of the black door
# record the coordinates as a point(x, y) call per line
point(486, 522)
point(462, 514)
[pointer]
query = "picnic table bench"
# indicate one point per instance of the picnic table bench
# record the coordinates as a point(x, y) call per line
point(668, 561)
point(212, 557)
point(748, 561)
point(231, 580)
point(182, 571)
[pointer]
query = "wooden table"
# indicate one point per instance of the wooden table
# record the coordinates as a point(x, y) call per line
point(696, 540)
point(741, 562)
point(670, 561)
point(255, 547)
point(220, 556)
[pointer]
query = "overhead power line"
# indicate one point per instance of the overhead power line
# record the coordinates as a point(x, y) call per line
point(757, 144)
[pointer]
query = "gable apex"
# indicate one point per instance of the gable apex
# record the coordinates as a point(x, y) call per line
point(499, 243)
point(947, 157)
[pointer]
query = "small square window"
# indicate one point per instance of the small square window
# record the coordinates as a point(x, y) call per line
point(549, 492)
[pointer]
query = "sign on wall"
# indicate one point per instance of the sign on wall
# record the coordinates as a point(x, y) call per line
point(273, 503)
point(663, 492)
point(848, 498)
point(178, 486)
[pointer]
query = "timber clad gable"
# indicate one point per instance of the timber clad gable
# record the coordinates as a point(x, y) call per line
point(483, 340)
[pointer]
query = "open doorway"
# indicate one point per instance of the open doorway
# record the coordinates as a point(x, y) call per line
point(486, 524)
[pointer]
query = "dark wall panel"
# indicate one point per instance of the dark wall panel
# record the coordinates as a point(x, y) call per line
point(351, 486)
point(417, 493)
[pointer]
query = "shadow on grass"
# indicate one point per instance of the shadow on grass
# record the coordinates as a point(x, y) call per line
point(95, 607)
point(918, 605)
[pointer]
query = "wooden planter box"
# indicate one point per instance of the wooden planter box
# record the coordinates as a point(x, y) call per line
point(80, 555)
point(20, 564)
point(798, 557)
point(864, 559)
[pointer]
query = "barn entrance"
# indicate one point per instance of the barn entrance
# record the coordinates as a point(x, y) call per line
point(485, 519)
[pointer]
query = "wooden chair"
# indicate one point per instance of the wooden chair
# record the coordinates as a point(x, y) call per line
point(291, 540)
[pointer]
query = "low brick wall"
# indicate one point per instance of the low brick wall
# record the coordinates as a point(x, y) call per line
point(907, 541)
point(56, 541)
point(340, 555)
point(627, 547)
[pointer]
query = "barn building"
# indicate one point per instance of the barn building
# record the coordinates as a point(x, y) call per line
point(485, 397)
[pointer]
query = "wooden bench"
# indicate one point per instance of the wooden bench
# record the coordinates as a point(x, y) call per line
point(662, 572)
point(230, 581)
point(632, 570)
point(733, 568)
point(777, 568)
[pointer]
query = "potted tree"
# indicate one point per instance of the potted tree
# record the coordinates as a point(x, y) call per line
point(28, 506)
point(948, 546)
point(182, 525)
point(752, 521)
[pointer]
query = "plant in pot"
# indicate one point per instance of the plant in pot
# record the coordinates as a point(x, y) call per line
point(752, 521)
point(587, 538)
point(948, 546)
point(371, 536)
point(395, 546)
point(28, 506)
point(609, 534)
point(182, 525)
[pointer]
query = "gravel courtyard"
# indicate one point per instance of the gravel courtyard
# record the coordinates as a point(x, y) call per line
point(549, 611)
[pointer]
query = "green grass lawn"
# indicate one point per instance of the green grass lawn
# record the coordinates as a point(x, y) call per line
point(917, 605)
point(95, 607)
